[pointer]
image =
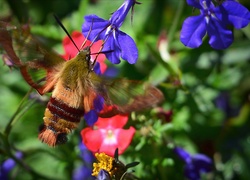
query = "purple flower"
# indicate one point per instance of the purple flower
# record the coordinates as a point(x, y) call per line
point(85, 170)
point(117, 44)
point(8, 165)
point(195, 164)
point(213, 20)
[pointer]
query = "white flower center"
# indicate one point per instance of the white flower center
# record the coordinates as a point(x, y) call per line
point(109, 136)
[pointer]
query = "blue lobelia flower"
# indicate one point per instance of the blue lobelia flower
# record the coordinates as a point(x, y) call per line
point(214, 21)
point(85, 170)
point(8, 165)
point(117, 44)
point(195, 164)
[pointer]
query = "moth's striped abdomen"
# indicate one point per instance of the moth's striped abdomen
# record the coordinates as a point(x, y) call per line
point(59, 119)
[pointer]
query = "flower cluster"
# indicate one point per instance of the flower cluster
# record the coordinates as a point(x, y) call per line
point(107, 134)
point(117, 44)
point(213, 20)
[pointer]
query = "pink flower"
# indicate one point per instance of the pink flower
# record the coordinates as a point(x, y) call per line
point(107, 135)
point(71, 51)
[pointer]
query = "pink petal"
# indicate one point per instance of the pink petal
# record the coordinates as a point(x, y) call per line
point(125, 138)
point(108, 149)
point(92, 139)
point(69, 48)
point(117, 121)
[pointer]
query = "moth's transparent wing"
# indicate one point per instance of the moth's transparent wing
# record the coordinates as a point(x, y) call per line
point(124, 96)
point(37, 63)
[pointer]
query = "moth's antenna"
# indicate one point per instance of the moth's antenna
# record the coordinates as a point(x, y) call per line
point(65, 30)
point(100, 50)
point(86, 38)
point(97, 36)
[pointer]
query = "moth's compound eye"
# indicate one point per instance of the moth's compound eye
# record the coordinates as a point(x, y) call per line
point(88, 57)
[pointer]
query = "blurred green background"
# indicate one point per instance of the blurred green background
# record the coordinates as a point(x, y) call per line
point(194, 82)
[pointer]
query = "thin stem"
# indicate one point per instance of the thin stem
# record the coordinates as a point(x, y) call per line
point(177, 16)
point(28, 169)
point(167, 66)
point(7, 148)
point(14, 118)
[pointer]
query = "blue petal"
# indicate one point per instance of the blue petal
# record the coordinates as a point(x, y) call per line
point(233, 13)
point(87, 156)
point(184, 155)
point(129, 51)
point(202, 163)
point(199, 164)
point(98, 103)
point(111, 72)
point(96, 26)
point(95, 22)
point(120, 14)
point(193, 30)
point(83, 172)
point(103, 175)
point(8, 165)
point(191, 173)
point(97, 68)
point(111, 45)
point(194, 3)
point(91, 117)
point(220, 37)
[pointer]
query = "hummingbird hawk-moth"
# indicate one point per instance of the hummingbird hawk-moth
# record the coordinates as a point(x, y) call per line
point(73, 83)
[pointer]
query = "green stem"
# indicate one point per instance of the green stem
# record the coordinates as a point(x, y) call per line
point(20, 111)
point(157, 56)
point(30, 170)
point(177, 16)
